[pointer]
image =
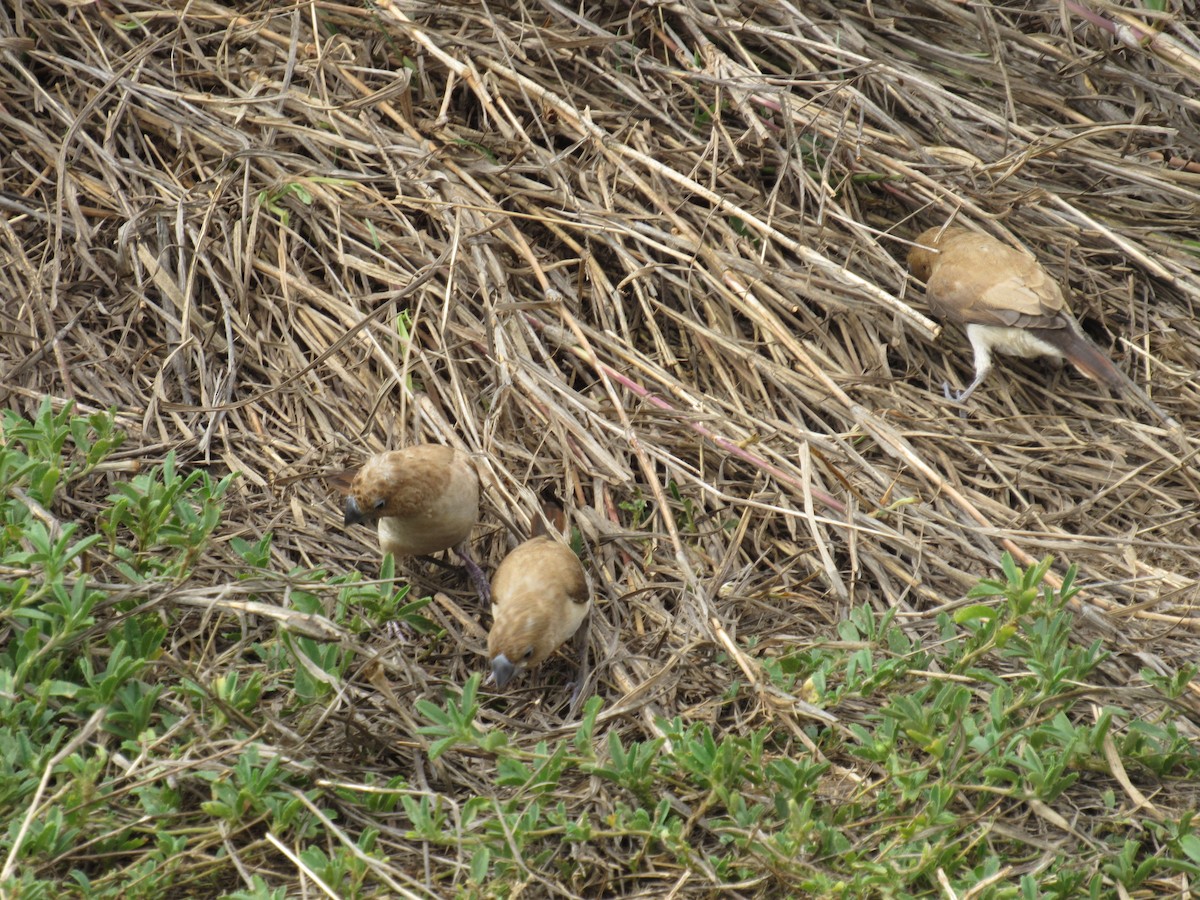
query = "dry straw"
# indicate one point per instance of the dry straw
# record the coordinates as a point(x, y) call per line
point(645, 256)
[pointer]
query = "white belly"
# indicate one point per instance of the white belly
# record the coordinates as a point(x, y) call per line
point(422, 535)
point(986, 339)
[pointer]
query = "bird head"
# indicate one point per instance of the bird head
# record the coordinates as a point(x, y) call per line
point(921, 256)
point(354, 513)
point(514, 647)
point(369, 494)
point(386, 486)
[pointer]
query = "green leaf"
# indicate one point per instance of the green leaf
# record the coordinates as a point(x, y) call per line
point(975, 612)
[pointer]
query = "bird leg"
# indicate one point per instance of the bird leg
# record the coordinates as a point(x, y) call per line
point(983, 365)
point(581, 677)
point(476, 574)
point(982, 350)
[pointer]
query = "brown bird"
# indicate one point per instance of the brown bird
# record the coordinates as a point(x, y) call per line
point(1009, 304)
point(540, 596)
point(424, 498)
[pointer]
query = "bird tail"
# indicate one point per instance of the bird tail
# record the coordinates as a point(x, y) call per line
point(341, 480)
point(552, 522)
point(1092, 362)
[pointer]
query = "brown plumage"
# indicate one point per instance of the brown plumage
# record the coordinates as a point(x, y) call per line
point(540, 596)
point(422, 499)
point(1009, 304)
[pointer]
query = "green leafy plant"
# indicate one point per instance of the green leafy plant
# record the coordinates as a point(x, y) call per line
point(169, 517)
point(112, 745)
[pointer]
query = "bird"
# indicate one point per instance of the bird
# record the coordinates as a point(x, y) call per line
point(422, 499)
point(1009, 304)
point(540, 596)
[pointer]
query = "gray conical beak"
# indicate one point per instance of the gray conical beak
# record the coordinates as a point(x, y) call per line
point(354, 515)
point(502, 671)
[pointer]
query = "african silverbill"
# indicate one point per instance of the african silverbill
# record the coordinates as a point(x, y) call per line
point(540, 597)
point(422, 499)
point(1009, 304)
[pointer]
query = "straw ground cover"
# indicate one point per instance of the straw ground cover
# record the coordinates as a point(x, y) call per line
point(647, 258)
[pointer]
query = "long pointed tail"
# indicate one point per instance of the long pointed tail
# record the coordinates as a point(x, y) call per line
point(1091, 361)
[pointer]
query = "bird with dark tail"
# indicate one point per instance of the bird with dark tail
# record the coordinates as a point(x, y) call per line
point(1008, 304)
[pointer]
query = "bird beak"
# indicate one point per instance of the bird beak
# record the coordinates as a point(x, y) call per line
point(502, 671)
point(354, 515)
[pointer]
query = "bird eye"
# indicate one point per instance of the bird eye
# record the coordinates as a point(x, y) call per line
point(378, 504)
point(528, 653)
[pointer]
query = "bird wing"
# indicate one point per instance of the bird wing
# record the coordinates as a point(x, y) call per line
point(977, 280)
point(541, 566)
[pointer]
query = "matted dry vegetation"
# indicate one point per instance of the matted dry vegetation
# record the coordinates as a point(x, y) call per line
point(648, 257)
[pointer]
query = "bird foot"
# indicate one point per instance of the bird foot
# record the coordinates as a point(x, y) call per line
point(955, 397)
